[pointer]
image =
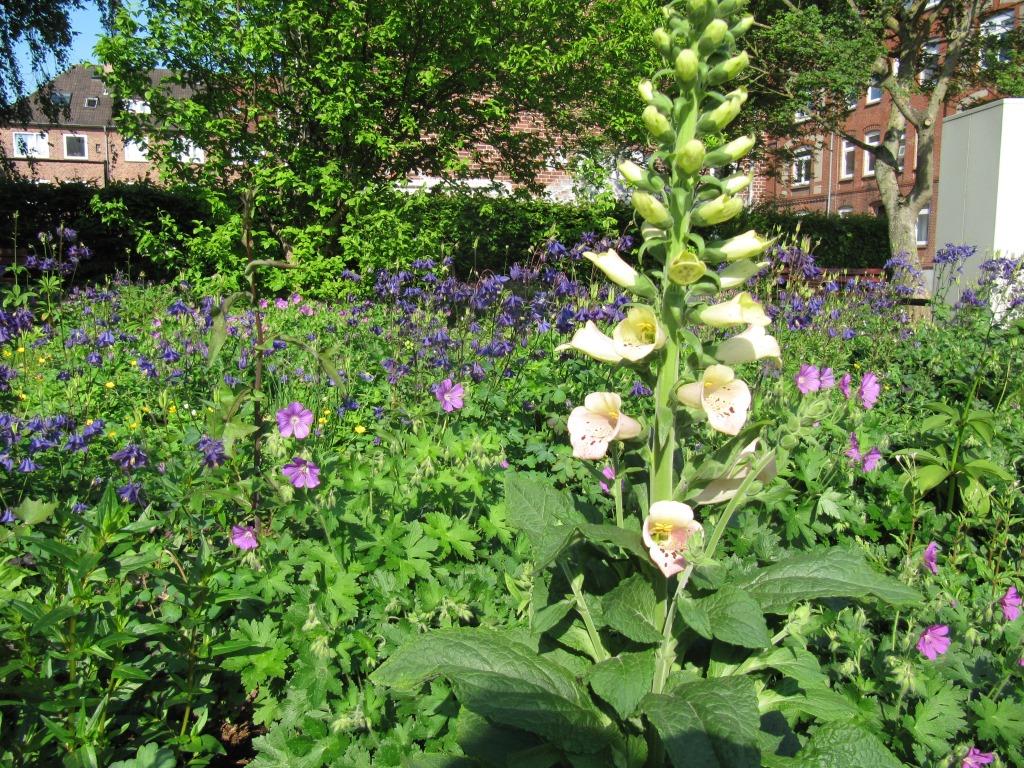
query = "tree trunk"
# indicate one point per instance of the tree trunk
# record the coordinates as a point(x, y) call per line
point(903, 233)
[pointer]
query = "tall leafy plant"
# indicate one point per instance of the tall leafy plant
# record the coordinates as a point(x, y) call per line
point(646, 645)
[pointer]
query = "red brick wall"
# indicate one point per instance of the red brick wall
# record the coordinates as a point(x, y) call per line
point(104, 160)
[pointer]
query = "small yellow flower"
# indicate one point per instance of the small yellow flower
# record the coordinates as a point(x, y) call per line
point(40, 360)
point(145, 409)
point(209, 408)
point(327, 411)
point(111, 434)
point(22, 396)
point(109, 385)
point(88, 422)
point(20, 350)
point(321, 420)
point(134, 425)
point(360, 429)
point(133, 362)
point(8, 353)
point(172, 409)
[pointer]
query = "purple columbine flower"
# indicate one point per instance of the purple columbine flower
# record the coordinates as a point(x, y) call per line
point(131, 457)
point(975, 758)
point(869, 390)
point(828, 378)
point(244, 537)
point(130, 493)
point(1010, 603)
point(808, 379)
point(449, 395)
point(7, 516)
point(295, 420)
point(934, 641)
point(929, 556)
point(212, 450)
point(302, 473)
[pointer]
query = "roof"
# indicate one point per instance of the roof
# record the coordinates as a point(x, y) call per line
point(83, 85)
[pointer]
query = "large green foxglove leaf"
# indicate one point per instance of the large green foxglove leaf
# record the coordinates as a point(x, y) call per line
point(828, 573)
point(708, 723)
point(545, 514)
point(736, 618)
point(843, 745)
point(503, 680)
point(623, 680)
point(629, 609)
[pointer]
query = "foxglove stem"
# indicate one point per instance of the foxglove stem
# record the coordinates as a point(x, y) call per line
point(584, 612)
point(726, 516)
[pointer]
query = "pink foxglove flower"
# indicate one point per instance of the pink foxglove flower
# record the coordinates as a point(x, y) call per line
point(844, 385)
point(728, 485)
point(869, 390)
point(244, 537)
point(639, 334)
point(593, 425)
point(724, 399)
point(450, 396)
point(975, 758)
point(1010, 603)
point(808, 379)
point(929, 557)
point(294, 420)
point(302, 473)
point(934, 641)
point(667, 531)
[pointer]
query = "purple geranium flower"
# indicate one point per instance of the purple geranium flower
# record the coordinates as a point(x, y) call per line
point(869, 390)
point(975, 758)
point(302, 473)
point(934, 641)
point(449, 395)
point(244, 537)
point(1010, 603)
point(808, 379)
point(930, 553)
point(295, 420)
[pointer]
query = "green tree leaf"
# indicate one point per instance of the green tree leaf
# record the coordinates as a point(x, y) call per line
point(831, 573)
point(623, 680)
point(736, 618)
point(708, 724)
point(629, 609)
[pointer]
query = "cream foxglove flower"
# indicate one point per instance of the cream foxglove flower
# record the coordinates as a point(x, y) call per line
point(591, 341)
point(593, 425)
point(742, 309)
point(723, 398)
point(744, 246)
point(728, 485)
point(753, 344)
point(638, 334)
point(621, 273)
point(738, 273)
point(667, 531)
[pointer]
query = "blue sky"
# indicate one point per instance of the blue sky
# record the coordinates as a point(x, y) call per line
point(85, 22)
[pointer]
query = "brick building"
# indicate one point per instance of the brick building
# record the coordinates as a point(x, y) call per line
point(829, 174)
point(82, 144)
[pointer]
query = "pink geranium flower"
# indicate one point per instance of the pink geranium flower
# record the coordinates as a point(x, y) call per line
point(295, 420)
point(869, 390)
point(844, 385)
point(609, 475)
point(868, 461)
point(930, 553)
point(808, 379)
point(302, 473)
point(449, 395)
point(975, 758)
point(828, 378)
point(1010, 603)
point(244, 537)
point(934, 641)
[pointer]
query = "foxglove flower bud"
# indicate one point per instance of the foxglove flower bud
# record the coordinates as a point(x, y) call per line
point(699, 9)
point(640, 178)
point(737, 273)
point(621, 273)
point(687, 66)
point(728, 69)
point(742, 26)
point(742, 309)
point(712, 36)
point(657, 124)
point(690, 157)
point(663, 42)
point(744, 246)
point(654, 97)
point(719, 117)
point(729, 153)
point(729, 7)
point(722, 208)
point(737, 183)
point(652, 210)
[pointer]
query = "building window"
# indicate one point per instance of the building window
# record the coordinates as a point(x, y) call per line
point(929, 64)
point(851, 101)
point(31, 144)
point(844, 212)
point(190, 153)
point(849, 159)
point(923, 220)
point(75, 147)
point(871, 138)
point(134, 152)
point(60, 98)
point(91, 102)
point(874, 92)
point(995, 49)
point(801, 116)
point(901, 151)
point(800, 172)
point(138, 106)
